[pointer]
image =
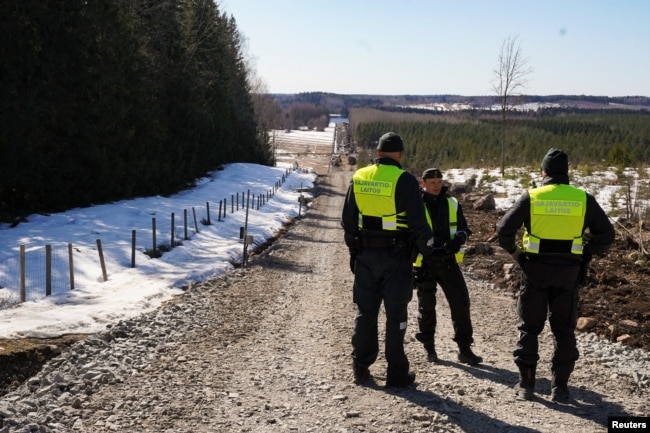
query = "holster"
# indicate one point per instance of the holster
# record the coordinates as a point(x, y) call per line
point(419, 273)
point(584, 268)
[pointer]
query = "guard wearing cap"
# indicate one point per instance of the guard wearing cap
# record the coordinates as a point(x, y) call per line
point(450, 232)
point(553, 255)
point(384, 221)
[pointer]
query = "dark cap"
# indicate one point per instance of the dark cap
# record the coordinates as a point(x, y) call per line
point(390, 142)
point(555, 162)
point(431, 173)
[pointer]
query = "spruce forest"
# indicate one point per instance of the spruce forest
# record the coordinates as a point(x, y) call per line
point(106, 100)
point(618, 138)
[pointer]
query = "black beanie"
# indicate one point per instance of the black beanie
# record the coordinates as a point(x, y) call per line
point(555, 162)
point(390, 142)
point(431, 173)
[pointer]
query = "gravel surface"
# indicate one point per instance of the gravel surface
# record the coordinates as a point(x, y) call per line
point(267, 349)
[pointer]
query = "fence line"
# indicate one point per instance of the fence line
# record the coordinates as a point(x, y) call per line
point(48, 270)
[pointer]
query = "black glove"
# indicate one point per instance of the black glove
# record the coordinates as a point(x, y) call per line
point(353, 260)
point(452, 246)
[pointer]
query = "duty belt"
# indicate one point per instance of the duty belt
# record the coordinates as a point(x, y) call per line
point(378, 241)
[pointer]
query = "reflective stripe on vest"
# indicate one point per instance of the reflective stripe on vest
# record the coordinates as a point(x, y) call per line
point(374, 191)
point(557, 212)
point(453, 219)
point(453, 226)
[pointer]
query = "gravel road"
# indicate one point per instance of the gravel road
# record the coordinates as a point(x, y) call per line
point(266, 348)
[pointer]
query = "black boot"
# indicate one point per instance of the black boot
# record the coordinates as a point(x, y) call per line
point(560, 383)
point(401, 382)
point(525, 389)
point(432, 356)
point(466, 356)
point(361, 374)
point(427, 341)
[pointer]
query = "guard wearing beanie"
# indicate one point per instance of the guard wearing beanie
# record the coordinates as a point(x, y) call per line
point(383, 221)
point(554, 257)
point(555, 162)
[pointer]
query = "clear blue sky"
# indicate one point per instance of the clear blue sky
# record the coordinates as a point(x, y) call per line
point(591, 47)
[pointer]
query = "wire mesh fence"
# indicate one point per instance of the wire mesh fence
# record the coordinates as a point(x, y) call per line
point(42, 275)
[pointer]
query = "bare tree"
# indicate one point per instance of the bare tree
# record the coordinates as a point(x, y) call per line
point(509, 77)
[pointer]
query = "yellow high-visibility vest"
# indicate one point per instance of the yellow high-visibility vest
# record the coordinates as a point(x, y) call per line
point(374, 190)
point(557, 212)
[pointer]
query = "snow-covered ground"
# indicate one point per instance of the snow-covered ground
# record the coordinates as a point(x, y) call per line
point(208, 250)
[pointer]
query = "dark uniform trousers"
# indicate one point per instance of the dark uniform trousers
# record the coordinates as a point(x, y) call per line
point(548, 291)
point(444, 271)
point(382, 274)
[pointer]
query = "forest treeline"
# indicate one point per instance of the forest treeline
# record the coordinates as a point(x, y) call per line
point(114, 99)
point(473, 138)
point(342, 104)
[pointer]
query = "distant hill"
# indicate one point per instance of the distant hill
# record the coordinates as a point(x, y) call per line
point(342, 103)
